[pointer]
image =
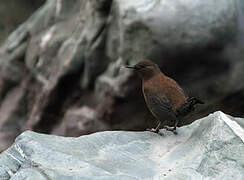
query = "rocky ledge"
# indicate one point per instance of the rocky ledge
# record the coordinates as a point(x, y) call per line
point(210, 148)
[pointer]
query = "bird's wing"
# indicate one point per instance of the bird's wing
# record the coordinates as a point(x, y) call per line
point(160, 107)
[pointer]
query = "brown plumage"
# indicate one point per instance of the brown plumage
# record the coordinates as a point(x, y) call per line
point(163, 96)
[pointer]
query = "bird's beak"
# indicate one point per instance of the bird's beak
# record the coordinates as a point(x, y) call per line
point(131, 67)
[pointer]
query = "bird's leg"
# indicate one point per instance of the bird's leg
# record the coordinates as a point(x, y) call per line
point(173, 129)
point(176, 123)
point(155, 130)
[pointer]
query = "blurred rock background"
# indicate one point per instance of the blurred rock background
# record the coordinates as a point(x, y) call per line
point(60, 69)
point(13, 13)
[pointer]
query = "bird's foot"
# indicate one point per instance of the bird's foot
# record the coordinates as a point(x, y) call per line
point(173, 129)
point(154, 131)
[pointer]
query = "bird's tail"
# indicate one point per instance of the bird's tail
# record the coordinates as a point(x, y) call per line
point(193, 101)
point(188, 107)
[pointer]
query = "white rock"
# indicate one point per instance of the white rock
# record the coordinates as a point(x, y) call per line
point(210, 148)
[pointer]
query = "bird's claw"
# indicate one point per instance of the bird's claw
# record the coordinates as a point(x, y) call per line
point(173, 129)
point(152, 130)
point(155, 131)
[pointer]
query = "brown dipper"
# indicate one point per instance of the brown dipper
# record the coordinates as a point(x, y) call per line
point(163, 96)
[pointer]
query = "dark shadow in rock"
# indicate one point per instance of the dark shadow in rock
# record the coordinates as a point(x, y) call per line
point(54, 109)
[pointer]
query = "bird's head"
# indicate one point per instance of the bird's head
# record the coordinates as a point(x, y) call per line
point(146, 69)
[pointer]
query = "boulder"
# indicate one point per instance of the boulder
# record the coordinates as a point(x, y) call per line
point(160, 27)
point(65, 61)
point(210, 148)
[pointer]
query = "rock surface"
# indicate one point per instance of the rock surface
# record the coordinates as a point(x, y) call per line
point(210, 148)
point(20, 11)
point(65, 61)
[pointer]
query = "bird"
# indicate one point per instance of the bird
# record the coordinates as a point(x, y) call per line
point(163, 96)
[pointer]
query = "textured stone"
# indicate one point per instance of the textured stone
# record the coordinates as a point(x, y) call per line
point(68, 55)
point(20, 11)
point(160, 27)
point(210, 148)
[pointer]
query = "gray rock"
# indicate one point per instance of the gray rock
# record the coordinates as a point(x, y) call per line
point(78, 122)
point(210, 148)
point(71, 53)
point(52, 47)
point(160, 27)
point(20, 11)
